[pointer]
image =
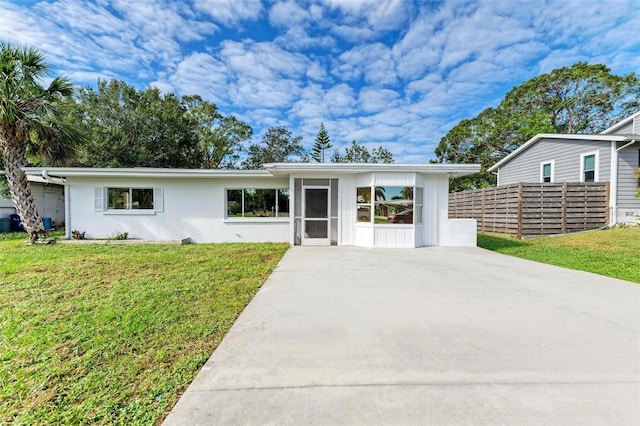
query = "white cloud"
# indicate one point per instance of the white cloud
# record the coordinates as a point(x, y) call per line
point(354, 34)
point(373, 62)
point(371, 100)
point(287, 14)
point(202, 74)
point(229, 12)
point(378, 14)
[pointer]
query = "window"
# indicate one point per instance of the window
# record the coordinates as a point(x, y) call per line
point(254, 203)
point(546, 172)
point(363, 198)
point(130, 198)
point(390, 204)
point(588, 167)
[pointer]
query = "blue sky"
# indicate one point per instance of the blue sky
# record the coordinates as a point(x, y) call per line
point(397, 73)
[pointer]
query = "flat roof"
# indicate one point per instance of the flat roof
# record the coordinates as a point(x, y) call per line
point(351, 168)
point(271, 169)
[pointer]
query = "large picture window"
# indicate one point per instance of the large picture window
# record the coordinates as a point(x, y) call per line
point(130, 198)
point(254, 203)
point(389, 205)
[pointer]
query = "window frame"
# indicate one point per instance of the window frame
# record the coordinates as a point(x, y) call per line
point(596, 161)
point(372, 205)
point(243, 218)
point(551, 172)
point(129, 209)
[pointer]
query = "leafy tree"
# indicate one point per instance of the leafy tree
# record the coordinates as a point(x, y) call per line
point(582, 98)
point(220, 138)
point(278, 145)
point(360, 154)
point(32, 120)
point(321, 145)
point(130, 128)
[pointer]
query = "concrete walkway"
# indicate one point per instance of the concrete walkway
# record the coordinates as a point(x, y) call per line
point(345, 335)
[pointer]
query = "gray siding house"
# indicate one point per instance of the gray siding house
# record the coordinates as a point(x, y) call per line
point(612, 155)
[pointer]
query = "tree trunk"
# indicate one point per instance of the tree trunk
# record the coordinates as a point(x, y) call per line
point(13, 156)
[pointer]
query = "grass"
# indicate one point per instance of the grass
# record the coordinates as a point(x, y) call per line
point(612, 252)
point(112, 334)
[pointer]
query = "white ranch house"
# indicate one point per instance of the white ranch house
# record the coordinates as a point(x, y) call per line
point(369, 205)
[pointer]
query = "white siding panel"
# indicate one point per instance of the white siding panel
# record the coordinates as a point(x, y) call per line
point(566, 157)
point(432, 186)
point(394, 236)
point(364, 235)
point(364, 179)
point(347, 210)
point(394, 179)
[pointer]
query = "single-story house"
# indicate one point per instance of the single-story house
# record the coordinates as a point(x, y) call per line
point(612, 155)
point(49, 199)
point(370, 205)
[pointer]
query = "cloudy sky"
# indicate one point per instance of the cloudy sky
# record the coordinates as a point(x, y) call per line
point(398, 73)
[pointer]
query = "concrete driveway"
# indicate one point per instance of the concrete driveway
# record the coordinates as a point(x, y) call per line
point(345, 335)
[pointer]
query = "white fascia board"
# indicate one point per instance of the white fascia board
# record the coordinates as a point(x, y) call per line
point(351, 168)
point(576, 136)
point(620, 123)
point(144, 172)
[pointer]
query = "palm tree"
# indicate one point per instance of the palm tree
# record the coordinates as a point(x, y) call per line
point(31, 121)
point(407, 193)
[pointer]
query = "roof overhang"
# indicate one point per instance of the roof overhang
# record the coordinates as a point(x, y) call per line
point(143, 172)
point(452, 170)
point(272, 169)
point(536, 138)
point(621, 123)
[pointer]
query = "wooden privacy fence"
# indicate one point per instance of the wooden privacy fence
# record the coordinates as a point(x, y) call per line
point(534, 208)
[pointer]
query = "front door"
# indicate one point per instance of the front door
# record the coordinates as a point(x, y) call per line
point(316, 222)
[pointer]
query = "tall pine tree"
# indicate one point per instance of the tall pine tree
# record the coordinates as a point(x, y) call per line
point(322, 145)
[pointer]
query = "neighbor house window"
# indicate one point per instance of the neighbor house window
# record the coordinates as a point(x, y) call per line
point(588, 167)
point(130, 198)
point(385, 204)
point(546, 172)
point(251, 203)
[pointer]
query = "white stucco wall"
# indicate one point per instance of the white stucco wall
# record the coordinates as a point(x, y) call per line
point(193, 208)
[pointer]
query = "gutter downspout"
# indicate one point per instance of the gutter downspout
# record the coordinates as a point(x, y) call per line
point(613, 188)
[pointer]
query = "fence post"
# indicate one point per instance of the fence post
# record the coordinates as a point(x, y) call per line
point(607, 203)
point(564, 207)
point(519, 213)
point(482, 208)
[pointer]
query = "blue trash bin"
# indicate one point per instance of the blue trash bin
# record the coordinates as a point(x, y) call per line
point(46, 221)
point(16, 223)
point(5, 224)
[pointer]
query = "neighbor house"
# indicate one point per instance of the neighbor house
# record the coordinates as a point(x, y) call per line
point(371, 205)
point(49, 199)
point(612, 155)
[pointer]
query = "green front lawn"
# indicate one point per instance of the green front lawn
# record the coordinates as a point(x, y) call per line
point(113, 334)
point(612, 252)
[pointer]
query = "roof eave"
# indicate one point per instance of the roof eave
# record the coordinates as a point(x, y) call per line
point(353, 168)
point(144, 172)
